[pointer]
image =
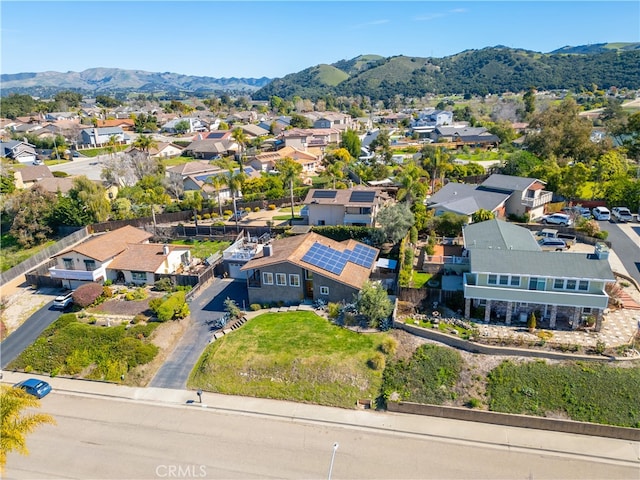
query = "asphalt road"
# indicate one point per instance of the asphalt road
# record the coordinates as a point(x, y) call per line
point(625, 241)
point(101, 437)
point(27, 333)
point(206, 307)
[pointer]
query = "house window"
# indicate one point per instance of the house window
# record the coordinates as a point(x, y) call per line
point(571, 284)
point(324, 290)
point(493, 279)
point(267, 278)
point(68, 263)
point(586, 310)
point(515, 281)
point(308, 274)
point(281, 279)
point(504, 280)
point(583, 285)
point(139, 276)
point(558, 284)
point(536, 283)
point(89, 265)
point(294, 280)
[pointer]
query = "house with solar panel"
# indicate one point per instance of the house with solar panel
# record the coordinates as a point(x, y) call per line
point(355, 207)
point(309, 267)
point(508, 277)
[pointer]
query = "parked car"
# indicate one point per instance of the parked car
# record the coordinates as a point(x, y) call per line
point(621, 214)
point(35, 387)
point(553, 244)
point(557, 219)
point(577, 210)
point(63, 301)
point(601, 213)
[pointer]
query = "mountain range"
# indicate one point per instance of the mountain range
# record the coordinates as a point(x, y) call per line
point(496, 69)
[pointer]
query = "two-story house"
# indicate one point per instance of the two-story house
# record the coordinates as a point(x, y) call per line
point(146, 263)
point(88, 261)
point(310, 160)
point(19, 151)
point(353, 206)
point(510, 277)
point(93, 137)
point(309, 267)
point(304, 138)
point(503, 195)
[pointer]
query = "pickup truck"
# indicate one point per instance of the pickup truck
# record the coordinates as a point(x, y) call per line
point(621, 214)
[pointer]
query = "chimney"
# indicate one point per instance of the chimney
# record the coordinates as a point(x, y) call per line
point(267, 250)
point(165, 249)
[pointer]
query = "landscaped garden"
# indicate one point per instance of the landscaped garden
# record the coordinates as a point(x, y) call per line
point(296, 356)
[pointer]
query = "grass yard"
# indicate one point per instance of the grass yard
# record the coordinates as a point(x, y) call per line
point(296, 356)
point(586, 392)
point(94, 152)
point(202, 249)
point(420, 279)
point(11, 253)
point(172, 162)
point(71, 347)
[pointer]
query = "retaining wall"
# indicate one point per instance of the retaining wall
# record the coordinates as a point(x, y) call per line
point(511, 420)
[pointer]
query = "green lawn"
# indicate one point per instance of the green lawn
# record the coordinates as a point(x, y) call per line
point(202, 249)
point(420, 279)
point(296, 356)
point(94, 152)
point(11, 253)
point(586, 392)
point(71, 347)
point(172, 162)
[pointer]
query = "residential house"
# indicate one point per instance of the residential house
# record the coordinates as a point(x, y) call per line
point(254, 131)
point(55, 185)
point(96, 137)
point(19, 151)
point(310, 160)
point(162, 150)
point(55, 116)
point(245, 116)
point(29, 175)
point(194, 125)
point(304, 138)
point(49, 131)
point(458, 137)
point(212, 145)
point(353, 206)
point(277, 125)
point(88, 261)
point(509, 278)
point(337, 120)
point(126, 124)
point(146, 263)
point(308, 267)
point(503, 195)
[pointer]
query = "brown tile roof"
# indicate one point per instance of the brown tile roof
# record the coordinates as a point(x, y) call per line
point(56, 184)
point(118, 122)
point(147, 257)
point(292, 249)
point(108, 245)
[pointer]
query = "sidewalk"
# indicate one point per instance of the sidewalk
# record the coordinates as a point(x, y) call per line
point(441, 429)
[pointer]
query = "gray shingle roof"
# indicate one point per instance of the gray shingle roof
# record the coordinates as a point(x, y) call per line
point(497, 234)
point(466, 199)
point(507, 182)
point(543, 264)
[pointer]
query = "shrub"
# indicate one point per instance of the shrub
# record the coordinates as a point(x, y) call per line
point(602, 235)
point(333, 310)
point(231, 307)
point(173, 307)
point(206, 216)
point(600, 347)
point(139, 293)
point(106, 291)
point(413, 235)
point(389, 346)
point(376, 362)
point(87, 294)
point(256, 209)
point(255, 307)
point(227, 213)
point(531, 322)
point(247, 209)
point(272, 206)
point(164, 285)
point(474, 403)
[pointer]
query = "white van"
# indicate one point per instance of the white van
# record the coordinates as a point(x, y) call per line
point(601, 213)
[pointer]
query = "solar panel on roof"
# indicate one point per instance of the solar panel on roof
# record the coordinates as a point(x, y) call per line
point(334, 261)
point(324, 194)
point(359, 196)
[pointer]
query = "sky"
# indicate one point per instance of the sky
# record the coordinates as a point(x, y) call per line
point(272, 39)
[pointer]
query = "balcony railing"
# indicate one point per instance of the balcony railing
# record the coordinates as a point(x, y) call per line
point(81, 275)
point(542, 199)
point(350, 218)
point(446, 259)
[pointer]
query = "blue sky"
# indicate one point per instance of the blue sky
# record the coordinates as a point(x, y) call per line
point(272, 39)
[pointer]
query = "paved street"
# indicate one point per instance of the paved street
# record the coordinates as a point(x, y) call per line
point(115, 432)
point(206, 307)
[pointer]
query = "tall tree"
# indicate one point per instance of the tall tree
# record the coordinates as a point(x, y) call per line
point(412, 183)
point(373, 302)
point(235, 181)
point(30, 210)
point(16, 423)
point(395, 221)
point(241, 139)
point(93, 198)
point(218, 181)
point(289, 170)
point(145, 143)
point(351, 142)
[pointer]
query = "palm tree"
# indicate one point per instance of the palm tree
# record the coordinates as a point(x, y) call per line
point(241, 139)
point(336, 171)
point(111, 145)
point(14, 424)
point(217, 181)
point(235, 181)
point(145, 143)
point(289, 170)
point(411, 179)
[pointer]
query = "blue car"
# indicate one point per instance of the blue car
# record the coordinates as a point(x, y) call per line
point(35, 387)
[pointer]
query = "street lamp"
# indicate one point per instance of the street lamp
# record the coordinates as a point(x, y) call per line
point(333, 456)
